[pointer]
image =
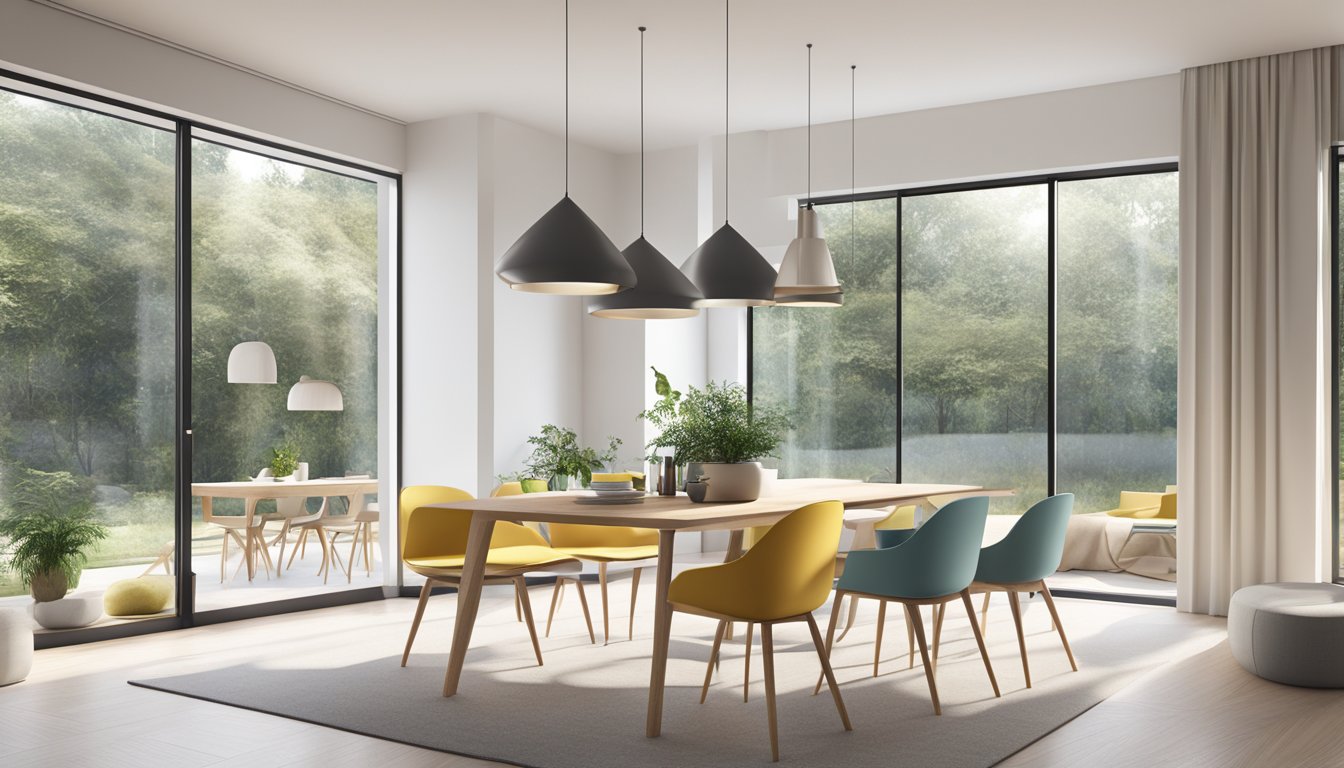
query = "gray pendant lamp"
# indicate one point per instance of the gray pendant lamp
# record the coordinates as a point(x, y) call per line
point(565, 252)
point(726, 268)
point(807, 269)
point(662, 291)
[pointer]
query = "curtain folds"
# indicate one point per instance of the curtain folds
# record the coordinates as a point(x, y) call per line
point(1253, 454)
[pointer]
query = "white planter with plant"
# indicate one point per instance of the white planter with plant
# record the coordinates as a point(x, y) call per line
point(718, 434)
point(285, 463)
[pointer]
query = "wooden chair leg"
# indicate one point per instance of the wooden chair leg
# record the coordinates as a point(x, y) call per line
point(918, 621)
point(746, 665)
point(830, 637)
point(606, 617)
point(881, 622)
point(909, 638)
point(520, 589)
point(354, 542)
point(984, 615)
point(768, 658)
point(518, 610)
point(327, 555)
point(583, 602)
point(415, 623)
point(303, 538)
point(938, 631)
point(713, 659)
point(979, 639)
point(555, 601)
point(224, 558)
point(829, 673)
point(283, 537)
point(1016, 609)
point(853, 614)
point(1059, 626)
point(634, 593)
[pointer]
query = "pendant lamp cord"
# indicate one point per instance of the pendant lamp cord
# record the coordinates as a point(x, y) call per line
point(641, 130)
point(725, 110)
point(566, 98)
point(809, 125)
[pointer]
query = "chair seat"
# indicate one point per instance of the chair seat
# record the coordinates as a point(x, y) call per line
point(498, 557)
point(611, 554)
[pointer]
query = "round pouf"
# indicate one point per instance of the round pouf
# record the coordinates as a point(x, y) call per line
point(16, 645)
point(1289, 633)
point(69, 612)
point(140, 596)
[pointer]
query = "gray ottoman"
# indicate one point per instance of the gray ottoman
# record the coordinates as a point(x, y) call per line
point(1289, 633)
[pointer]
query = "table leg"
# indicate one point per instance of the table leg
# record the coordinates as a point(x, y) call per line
point(662, 631)
point(250, 551)
point(469, 597)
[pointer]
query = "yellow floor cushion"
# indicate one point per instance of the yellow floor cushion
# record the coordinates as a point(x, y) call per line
point(138, 596)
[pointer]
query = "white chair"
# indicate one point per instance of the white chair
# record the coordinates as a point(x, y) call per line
point(358, 523)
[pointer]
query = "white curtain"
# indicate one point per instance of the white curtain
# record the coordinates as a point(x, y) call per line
point(1253, 458)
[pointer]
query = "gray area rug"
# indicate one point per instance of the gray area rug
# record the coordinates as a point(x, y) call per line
point(585, 708)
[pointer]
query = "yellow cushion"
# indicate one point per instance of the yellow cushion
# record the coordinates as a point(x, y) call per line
point(612, 477)
point(901, 518)
point(139, 596)
point(508, 557)
point(611, 554)
point(1146, 505)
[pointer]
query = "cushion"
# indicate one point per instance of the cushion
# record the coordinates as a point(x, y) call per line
point(138, 596)
point(1289, 633)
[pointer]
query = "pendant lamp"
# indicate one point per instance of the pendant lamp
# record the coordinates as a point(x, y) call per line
point(314, 395)
point(661, 292)
point(726, 268)
point(251, 362)
point(565, 252)
point(807, 269)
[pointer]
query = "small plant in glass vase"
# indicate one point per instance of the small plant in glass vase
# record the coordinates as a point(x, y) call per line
point(717, 434)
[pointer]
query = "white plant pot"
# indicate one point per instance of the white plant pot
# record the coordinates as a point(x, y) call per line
point(70, 611)
point(732, 482)
point(301, 474)
point(16, 645)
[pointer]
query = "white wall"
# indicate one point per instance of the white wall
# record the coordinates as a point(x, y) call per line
point(49, 43)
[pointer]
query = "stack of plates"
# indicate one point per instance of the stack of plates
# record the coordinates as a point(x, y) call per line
point(612, 492)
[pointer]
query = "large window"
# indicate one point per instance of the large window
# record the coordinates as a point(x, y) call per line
point(959, 373)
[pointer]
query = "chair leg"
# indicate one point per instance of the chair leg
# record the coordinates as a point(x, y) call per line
point(634, 593)
point(984, 615)
point(518, 611)
point(830, 636)
point(746, 665)
point(713, 659)
point(918, 621)
point(853, 614)
point(555, 601)
point(606, 617)
point(327, 554)
point(768, 658)
point(587, 618)
point(350, 572)
point(909, 639)
point(520, 589)
point(1054, 616)
point(303, 539)
point(881, 622)
point(828, 672)
point(1016, 608)
point(415, 623)
point(979, 639)
point(283, 537)
point(938, 631)
point(224, 558)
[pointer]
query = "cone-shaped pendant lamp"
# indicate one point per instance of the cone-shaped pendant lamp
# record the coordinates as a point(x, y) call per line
point(565, 252)
point(807, 269)
point(662, 291)
point(728, 271)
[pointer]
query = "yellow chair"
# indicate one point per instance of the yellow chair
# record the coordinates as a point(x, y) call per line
point(601, 544)
point(1145, 505)
point(783, 578)
point(434, 543)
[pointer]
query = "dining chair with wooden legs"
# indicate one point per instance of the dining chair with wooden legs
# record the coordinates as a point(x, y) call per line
point(784, 578)
point(1020, 562)
point(935, 566)
point(603, 545)
point(434, 544)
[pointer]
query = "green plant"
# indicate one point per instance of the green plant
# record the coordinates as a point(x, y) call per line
point(48, 524)
point(716, 424)
point(284, 460)
point(556, 453)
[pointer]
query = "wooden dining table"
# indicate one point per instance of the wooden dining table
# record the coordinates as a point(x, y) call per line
point(668, 515)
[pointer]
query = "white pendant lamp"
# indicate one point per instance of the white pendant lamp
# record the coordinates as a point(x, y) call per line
point(315, 395)
point(565, 252)
point(662, 291)
point(807, 269)
point(726, 269)
point(251, 362)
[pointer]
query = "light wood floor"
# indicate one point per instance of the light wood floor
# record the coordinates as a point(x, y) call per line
point(77, 710)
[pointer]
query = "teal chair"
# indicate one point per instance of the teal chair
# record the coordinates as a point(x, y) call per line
point(1020, 562)
point(934, 567)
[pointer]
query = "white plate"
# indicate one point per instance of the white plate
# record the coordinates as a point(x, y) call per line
point(599, 500)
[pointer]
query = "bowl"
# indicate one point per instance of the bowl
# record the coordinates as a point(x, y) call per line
point(697, 491)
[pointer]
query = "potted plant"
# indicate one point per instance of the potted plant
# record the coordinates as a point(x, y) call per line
point(557, 456)
point(284, 462)
point(718, 434)
point(48, 526)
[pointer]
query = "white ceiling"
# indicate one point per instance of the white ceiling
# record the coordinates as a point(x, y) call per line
point(418, 59)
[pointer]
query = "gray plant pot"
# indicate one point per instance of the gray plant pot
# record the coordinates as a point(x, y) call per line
point(731, 482)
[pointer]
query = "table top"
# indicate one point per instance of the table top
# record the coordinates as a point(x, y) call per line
point(679, 513)
point(270, 489)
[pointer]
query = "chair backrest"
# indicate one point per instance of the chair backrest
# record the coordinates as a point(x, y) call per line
point(565, 535)
point(508, 489)
point(1033, 548)
point(790, 569)
point(1165, 503)
point(940, 559)
point(441, 532)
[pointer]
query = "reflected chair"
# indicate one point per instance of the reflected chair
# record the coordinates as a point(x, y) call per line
point(1146, 505)
point(434, 543)
point(934, 567)
point(602, 544)
point(1020, 562)
point(357, 522)
point(783, 578)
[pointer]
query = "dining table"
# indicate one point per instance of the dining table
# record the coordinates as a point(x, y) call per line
point(668, 515)
point(354, 489)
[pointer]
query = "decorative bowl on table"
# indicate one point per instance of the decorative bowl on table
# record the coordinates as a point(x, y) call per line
point(697, 491)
